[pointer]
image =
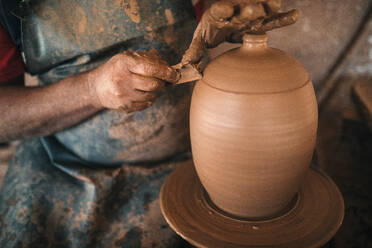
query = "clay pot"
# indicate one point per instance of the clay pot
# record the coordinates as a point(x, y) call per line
point(253, 124)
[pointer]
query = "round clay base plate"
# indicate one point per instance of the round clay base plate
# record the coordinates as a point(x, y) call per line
point(312, 221)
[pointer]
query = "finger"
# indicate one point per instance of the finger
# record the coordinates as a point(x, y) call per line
point(196, 49)
point(143, 96)
point(222, 10)
point(138, 106)
point(124, 109)
point(152, 68)
point(274, 5)
point(134, 106)
point(281, 20)
point(152, 54)
point(251, 12)
point(146, 83)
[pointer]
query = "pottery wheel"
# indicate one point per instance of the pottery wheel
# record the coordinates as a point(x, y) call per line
point(313, 220)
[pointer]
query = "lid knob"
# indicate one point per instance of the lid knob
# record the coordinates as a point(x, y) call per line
point(254, 41)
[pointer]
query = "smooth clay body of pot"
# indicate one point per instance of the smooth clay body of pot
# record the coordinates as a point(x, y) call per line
point(253, 127)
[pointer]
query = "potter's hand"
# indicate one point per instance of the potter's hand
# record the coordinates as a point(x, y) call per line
point(129, 81)
point(229, 20)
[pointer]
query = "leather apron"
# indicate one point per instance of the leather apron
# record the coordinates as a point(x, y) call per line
point(96, 184)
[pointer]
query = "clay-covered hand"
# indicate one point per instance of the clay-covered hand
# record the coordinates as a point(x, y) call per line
point(229, 20)
point(129, 81)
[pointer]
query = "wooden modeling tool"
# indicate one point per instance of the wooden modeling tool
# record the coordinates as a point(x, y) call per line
point(188, 73)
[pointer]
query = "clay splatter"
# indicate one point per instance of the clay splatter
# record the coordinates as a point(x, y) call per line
point(83, 21)
point(169, 16)
point(132, 10)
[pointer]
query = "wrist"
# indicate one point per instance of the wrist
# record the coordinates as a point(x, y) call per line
point(91, 85)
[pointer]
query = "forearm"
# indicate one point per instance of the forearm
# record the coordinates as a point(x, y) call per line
point(39, 111)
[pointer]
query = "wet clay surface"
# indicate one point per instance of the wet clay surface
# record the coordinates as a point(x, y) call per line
point(264, 69)
point(253, 135)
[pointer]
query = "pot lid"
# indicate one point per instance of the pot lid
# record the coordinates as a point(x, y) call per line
point(255, 68)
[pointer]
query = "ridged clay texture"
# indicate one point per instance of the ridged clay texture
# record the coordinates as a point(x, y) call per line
point(253, 124)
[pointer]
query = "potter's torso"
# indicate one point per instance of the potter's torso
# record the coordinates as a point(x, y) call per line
point(88, 35)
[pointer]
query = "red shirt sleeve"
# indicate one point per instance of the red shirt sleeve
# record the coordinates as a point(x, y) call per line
point(199, 8)
point(11, 64)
